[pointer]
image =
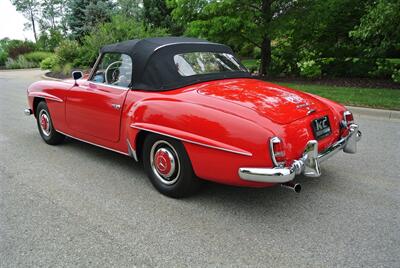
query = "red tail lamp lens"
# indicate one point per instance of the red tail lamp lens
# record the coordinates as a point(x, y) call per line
point(348, 118)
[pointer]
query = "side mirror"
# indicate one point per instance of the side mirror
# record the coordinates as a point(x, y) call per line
point(77, 75)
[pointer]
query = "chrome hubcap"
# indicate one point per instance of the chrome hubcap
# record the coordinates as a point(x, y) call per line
point(45, 124)
point(164, 162)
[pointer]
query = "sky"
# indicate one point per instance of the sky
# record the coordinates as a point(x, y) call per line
point(12, 23)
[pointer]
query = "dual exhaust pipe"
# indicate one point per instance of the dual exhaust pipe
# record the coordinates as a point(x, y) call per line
point(296, 187)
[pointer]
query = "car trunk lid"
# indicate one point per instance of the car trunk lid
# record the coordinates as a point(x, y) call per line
point(279, 104)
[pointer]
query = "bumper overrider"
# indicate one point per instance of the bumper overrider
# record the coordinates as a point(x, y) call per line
point(308, 164)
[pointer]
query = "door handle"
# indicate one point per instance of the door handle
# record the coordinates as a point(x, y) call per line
point(116, 106)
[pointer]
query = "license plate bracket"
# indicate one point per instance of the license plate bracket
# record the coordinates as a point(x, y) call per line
point(321, 127)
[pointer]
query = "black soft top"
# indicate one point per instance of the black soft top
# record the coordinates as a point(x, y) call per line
point(153, 67)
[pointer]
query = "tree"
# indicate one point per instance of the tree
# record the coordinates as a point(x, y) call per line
point(233, 21)
point(83, 15)
point(379, 30)
point(156, 13)
point(30, 9)
point(118, 29)
point(52, 15)
point(131, 8)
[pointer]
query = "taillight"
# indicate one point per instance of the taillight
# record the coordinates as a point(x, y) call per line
point(277, 151)
point(348, 118)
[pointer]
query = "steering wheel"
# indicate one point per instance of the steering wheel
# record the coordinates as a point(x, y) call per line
point(108, 69)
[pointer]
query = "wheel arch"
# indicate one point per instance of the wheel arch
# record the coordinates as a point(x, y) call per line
point(36, 101)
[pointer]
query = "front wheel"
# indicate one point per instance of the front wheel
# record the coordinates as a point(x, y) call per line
point(45, 125)
point(168, 166)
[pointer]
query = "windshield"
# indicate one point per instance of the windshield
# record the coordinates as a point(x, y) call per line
point(194, 63)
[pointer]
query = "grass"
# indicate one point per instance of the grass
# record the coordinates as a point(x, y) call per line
point(364, 97)
point(250, 64)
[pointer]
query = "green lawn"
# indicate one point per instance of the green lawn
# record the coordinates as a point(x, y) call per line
point(250, 63)
point(365, 97)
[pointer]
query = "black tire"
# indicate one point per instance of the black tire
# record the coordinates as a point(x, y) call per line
point(46, 130)
point(176, 182)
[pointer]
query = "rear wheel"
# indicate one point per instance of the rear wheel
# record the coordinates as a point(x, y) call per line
point(45, 125)
point(168, 166)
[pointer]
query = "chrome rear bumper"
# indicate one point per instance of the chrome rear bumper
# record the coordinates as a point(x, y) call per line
point(307, 165)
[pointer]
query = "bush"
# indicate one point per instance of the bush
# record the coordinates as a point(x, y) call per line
point(67, 69)
point(348, 67)
point(68, 51)
point(309, 65)
point(3, 58)
point(383, 69)
point(37, 56)
point(57, 68)
point(309, 68)
point(14, 48)
point(49, 62)
point(284, 58)
point(19, 63)
point(396, 75)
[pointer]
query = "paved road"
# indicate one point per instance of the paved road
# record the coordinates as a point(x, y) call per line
point(79, 205)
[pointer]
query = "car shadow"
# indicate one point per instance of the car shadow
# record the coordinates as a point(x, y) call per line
point(213, 192)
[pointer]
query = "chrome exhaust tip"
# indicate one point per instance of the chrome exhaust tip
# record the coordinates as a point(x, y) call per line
point(27, 112)
point(296, 187)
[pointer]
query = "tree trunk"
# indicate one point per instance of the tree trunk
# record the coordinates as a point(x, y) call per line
point(266, 42)
point(265, 56)
point(33, 25)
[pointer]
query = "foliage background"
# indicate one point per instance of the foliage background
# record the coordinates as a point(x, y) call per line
point(279, 38)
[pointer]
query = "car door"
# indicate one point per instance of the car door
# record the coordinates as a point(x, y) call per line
point(94, 107)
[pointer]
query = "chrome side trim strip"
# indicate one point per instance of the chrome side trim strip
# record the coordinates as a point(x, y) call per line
point(106, 85)
point(184, 43)
point(131, 151)
point(33, 94)
point(101, 146)
point(193, 142)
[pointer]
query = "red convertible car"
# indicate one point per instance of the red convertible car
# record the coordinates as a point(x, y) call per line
point(190, 111)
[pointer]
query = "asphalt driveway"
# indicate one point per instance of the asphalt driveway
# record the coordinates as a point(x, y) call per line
point(79, 205)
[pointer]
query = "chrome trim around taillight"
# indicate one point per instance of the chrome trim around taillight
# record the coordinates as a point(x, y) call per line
point(272, 141)
point(345, 113)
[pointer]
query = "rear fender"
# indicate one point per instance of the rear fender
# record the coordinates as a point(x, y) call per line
point(211, 137)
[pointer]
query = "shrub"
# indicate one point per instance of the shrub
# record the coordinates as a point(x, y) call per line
point(284, 57)
point(49, 62)
point(396, 75)
point(348, 67)
point(309, 68)
point(14, 48)
point(309, 65)
point(37, 56)
point(3, 58)
point(67, 69)
point(383, 69)
point(19, 63)
point(67, 51)
point(57, 68)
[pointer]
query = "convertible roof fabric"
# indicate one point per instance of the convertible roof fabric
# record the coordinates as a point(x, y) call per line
point(153, 67)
